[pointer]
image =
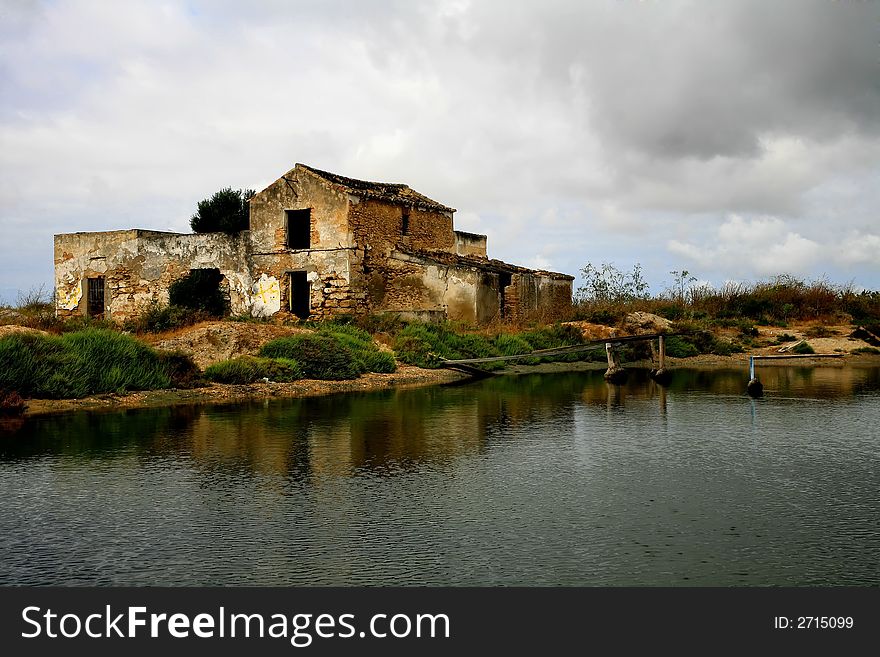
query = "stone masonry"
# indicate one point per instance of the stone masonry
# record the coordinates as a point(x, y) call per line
point(319, 245)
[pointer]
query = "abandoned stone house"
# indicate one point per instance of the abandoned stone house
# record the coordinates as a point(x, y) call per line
point(319, 245)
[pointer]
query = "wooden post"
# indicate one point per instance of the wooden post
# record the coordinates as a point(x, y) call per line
point(609, 351)
point(661, 375)
point(755, 388)
point(615, 373)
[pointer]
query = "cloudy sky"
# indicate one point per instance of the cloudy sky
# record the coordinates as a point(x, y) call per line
point(734, 139)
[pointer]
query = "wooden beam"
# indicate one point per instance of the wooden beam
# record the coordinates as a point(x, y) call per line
point(774, 357)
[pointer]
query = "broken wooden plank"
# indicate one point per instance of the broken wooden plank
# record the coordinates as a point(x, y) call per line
point(558, 351)
point(773, 357)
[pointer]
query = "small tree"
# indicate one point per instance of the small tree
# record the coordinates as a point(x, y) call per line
point(682, 283)
point(608, 284)
point(227, 211)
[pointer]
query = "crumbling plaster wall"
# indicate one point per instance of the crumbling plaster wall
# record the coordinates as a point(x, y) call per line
point(299, 189)
point(470, 244)
point(328, 261)
point(138, 267)
point(411, 283)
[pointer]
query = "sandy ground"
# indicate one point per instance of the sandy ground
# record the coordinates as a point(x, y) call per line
point(9, 329)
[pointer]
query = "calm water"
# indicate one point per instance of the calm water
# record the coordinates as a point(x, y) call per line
point(532, 480)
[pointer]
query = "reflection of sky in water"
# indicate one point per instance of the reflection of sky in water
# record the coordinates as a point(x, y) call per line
point(550, 479)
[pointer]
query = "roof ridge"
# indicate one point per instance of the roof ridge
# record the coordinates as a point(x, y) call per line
point(347, 181)
point(394, 192)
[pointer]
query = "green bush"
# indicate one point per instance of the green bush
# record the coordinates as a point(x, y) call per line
point(348, 334)
point(200, 290)
point(605, 317)
point(78, 364)
point(747, 328)
point(803, 348)
point(785, 337)
point(415, 351)
point(421, 344)
point(184, 373)
point(377, 361)
point(424, 344)
point(726, 348)
point(228, 210)
point(674, 312)
point(679, 346)
point(866, 350)
point(368, 355)
point(158, 319)
point(320, 356)
point(559, 335)
point(250, 369)
point(512, 345)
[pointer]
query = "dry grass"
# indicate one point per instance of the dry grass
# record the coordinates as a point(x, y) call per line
point(775, 301)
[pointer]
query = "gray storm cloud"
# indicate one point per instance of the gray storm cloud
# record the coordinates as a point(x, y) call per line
point(666, 133)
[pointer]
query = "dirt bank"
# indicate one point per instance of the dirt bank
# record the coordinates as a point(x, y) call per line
point(406, 376)
point(211, 342)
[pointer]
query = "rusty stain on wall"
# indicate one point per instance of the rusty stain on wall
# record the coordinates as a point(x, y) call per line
point(372, 247)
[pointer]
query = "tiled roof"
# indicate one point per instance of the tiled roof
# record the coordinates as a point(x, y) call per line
point(447, 258)
point(393, 192)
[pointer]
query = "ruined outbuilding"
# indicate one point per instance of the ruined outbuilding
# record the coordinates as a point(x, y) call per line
point(319, 245)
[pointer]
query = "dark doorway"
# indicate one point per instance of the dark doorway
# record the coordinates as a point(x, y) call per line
point(299, 229)
point(299, 292)
point(95, 297)
point(504, 280)
point(201, 290)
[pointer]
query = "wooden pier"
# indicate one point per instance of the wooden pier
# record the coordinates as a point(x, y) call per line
point(614, 374)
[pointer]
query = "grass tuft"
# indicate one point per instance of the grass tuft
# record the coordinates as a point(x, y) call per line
point(77, 364)
point(250, 369)
point(321, 356)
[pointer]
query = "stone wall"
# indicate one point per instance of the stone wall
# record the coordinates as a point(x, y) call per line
point(138, 266)
point(410, 282)
point(470, 244)
point(327, 261)
point(299, 189)
point(536, 296)
point(329, 275)
point(377, 226)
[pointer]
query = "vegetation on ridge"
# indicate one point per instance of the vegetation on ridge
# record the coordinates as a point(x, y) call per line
point(84, 363)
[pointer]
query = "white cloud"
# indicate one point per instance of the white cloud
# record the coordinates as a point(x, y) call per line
point(767, 246)
point(859, 248)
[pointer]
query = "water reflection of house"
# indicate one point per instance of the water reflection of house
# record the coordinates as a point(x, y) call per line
point(340, 434)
